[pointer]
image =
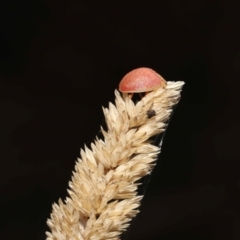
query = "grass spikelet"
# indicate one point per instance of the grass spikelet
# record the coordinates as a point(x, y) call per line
point(103, 189)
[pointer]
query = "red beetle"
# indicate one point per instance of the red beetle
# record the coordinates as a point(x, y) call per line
point(141, 80)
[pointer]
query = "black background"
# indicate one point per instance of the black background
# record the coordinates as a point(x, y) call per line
point(60, 61)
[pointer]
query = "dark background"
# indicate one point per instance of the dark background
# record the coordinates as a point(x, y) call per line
point(60, 61)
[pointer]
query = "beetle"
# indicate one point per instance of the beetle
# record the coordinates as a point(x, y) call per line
point(141, 80)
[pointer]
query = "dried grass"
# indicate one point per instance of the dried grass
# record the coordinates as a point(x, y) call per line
point(103, 190)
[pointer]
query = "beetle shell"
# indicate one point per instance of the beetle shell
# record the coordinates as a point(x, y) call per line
point(141, 80)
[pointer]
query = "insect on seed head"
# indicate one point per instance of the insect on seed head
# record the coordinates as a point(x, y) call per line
point(141, 80)
point(151, 113)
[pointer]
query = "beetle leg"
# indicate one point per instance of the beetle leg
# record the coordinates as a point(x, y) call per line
point(130, 95)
